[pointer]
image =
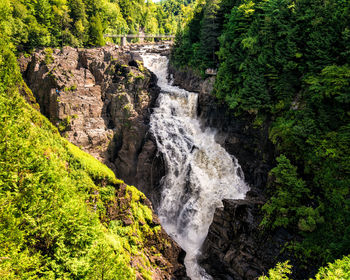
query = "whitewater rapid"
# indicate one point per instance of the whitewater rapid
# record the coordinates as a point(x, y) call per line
point(200, 173)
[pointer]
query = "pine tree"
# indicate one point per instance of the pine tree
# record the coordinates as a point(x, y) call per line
point(96, 32)
point(209, 34)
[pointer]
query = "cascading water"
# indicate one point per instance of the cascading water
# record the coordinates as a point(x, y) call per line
point(200, 173)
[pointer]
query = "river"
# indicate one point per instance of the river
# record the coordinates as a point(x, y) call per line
point(200, 173)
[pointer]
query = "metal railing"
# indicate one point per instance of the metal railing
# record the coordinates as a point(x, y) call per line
point(139, 36)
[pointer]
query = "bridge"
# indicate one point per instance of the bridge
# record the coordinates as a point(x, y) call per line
point(141, 36)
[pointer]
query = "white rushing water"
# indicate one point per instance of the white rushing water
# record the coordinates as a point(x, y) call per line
point(200, 173)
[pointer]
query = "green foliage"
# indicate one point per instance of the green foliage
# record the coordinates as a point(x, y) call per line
point(62, 212)
point(71, 88)
point(289, 191)
point(96, 32)
point(280, 272)
point(64, 124)
point(186, 51)
point(285, 64)
point(48, 56)
point(31, 24)
point(339, 270)
point(210, 29)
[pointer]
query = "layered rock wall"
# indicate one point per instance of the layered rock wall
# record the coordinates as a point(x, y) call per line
point(101, 99)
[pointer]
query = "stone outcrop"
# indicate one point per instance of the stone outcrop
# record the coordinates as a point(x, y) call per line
point(186, 79)
point(236, 247)
point(101, 99)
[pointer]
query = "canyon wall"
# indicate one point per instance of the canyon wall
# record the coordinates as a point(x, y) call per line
point(101, 100)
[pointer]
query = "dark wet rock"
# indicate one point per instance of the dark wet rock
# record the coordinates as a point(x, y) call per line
point(186, 79)
point(135, 59)
point(236, 246)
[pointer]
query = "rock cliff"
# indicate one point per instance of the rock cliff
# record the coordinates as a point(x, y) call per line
point(101, 100)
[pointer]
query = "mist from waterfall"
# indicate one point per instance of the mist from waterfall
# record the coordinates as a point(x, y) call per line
point(200, 173)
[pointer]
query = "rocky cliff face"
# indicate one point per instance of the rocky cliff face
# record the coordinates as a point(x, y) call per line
point(236, 248)
point(101, 100)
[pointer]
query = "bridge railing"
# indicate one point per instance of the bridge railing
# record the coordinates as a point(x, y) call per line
point(139, 35)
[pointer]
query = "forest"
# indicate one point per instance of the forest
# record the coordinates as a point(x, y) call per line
point(79, 23)
point(283, 63)
point(286, 64)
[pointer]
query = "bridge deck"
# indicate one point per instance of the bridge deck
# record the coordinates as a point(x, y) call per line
point(139, 36)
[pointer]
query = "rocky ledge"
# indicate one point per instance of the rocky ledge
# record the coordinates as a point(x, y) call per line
point(101, 99)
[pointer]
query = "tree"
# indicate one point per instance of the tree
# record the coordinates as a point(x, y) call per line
point(209, 34)
point(96, 32)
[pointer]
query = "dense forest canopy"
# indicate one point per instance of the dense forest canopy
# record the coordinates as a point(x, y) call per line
point(286, 64)
point(34, 23)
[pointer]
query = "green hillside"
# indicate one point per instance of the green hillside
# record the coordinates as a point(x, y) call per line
point(63, 214)
point(285, 65)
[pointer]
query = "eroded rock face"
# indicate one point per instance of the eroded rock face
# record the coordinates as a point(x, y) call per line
point(186, 79)
point(101, 100)
point(236, 247)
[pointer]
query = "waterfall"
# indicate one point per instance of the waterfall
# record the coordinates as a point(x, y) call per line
point(200, 173)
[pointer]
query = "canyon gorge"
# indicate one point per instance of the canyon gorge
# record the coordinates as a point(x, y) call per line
point(174, 139)
point(203, 170)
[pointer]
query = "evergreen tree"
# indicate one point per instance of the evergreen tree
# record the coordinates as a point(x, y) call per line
point(96, 32)
point(209, 34)
point(285, 64)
